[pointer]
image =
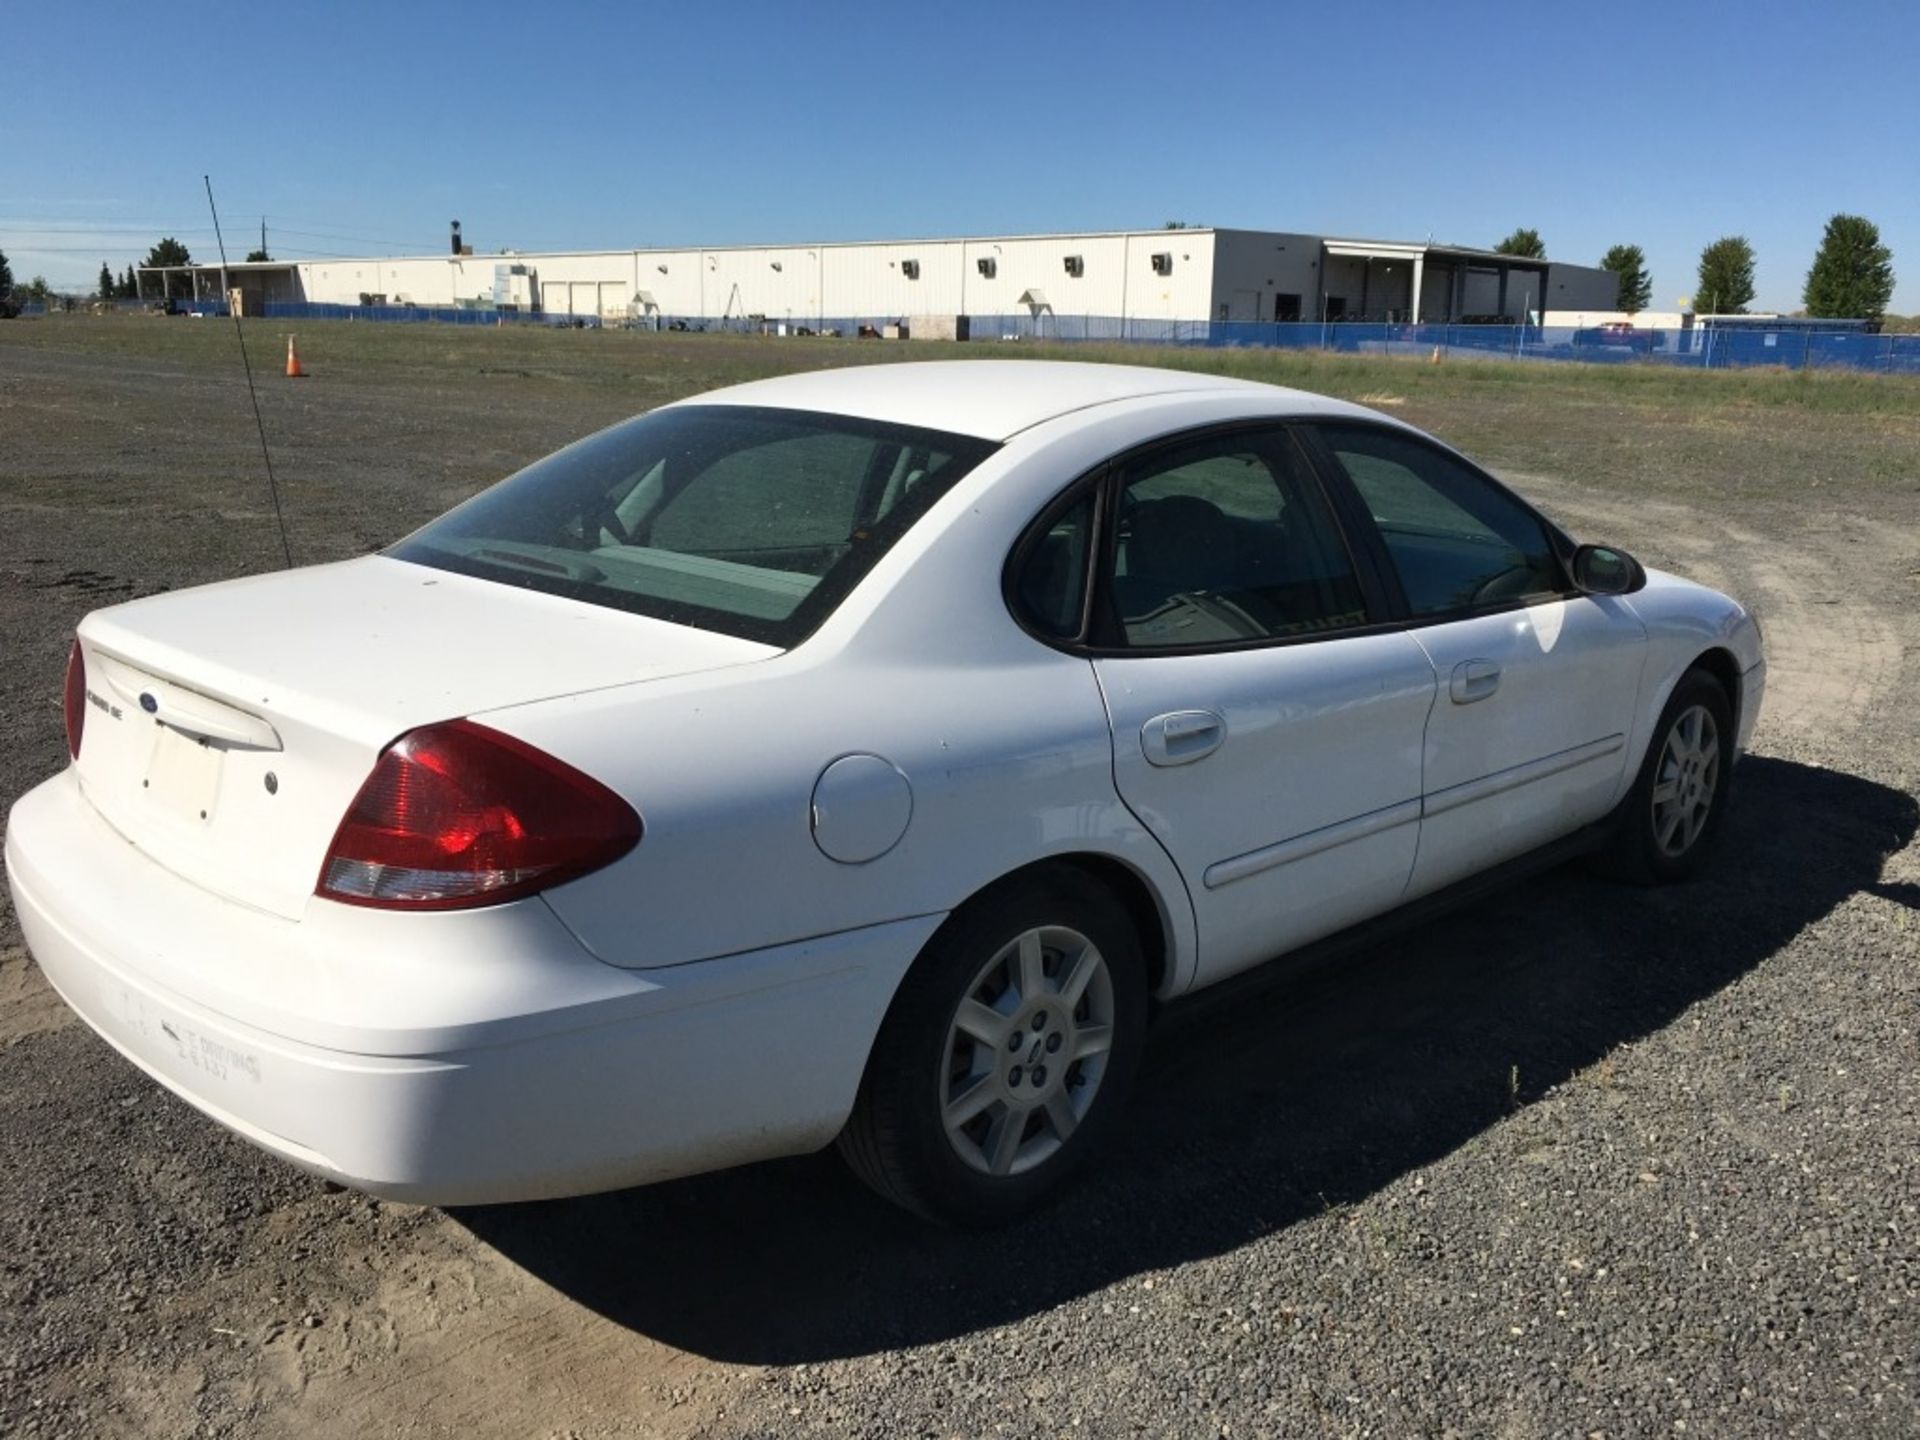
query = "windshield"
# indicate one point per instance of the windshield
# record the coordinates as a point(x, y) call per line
point(752, 522)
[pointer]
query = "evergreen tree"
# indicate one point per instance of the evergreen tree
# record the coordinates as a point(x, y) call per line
point(1852, 275)
point(129, 285)
point(1726, 277)
point(106, 282)
point(1629, 264)
point(1525, 243)
point(6, 276)
point(169, 252)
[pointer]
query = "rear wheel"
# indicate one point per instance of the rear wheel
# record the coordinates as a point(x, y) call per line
point(1669, 820)
point(1004, 1061)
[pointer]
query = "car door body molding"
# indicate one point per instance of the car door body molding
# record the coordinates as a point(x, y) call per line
point(1314, 842)
point(1512, 778)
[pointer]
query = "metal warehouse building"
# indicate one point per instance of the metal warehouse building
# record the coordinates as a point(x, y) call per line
point(1196, 275)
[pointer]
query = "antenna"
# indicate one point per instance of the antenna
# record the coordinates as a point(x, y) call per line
point(273, 489)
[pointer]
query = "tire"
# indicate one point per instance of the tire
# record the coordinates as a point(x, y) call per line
point(1669, 820)
point(1024, 1120)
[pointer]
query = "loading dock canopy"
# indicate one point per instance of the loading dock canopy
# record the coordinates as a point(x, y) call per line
point(1456, 260)
point(258, 280)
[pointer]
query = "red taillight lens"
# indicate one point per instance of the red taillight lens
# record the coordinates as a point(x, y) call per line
point(75, 701)
point(457, 815)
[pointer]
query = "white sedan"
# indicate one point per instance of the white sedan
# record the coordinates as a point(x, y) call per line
point(858, 755)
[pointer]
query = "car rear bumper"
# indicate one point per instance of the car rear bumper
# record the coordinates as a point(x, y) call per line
point(539, 1072)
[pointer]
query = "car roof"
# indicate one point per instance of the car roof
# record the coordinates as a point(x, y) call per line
point(993, 399)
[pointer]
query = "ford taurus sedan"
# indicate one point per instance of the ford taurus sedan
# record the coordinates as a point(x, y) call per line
point(859, 755)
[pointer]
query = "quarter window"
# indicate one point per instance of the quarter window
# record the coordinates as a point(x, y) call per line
point(1228, 539)
point(1053, 581)
point(1457, 541)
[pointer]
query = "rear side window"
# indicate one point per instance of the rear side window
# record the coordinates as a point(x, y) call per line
point(1227, 539)
point(1457, 541)
point(1052, 588)
point(752, 522)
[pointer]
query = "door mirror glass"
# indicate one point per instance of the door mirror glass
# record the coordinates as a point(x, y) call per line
point(1603, 570)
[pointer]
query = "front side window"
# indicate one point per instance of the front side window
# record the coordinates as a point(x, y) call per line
point(752, 522)
point(1457, 541)
point(1228, 539)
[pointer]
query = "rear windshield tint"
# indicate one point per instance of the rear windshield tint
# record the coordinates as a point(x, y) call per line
point(751, 522)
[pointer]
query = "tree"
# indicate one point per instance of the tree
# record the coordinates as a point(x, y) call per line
point(1852, 275)
point(106, 282)
point(6, 276)
point(38, 289)
point(129, 288)
point(168, 252)
point(1525, 243)
point(1629, 265)
point(255, 256)
point(1726, 277)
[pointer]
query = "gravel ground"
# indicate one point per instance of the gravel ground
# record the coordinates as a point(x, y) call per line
point(1576, 1161)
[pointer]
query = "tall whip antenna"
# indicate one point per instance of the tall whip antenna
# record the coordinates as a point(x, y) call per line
point(273, 487)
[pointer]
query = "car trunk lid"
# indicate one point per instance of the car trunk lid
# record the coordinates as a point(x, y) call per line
point(229, 727)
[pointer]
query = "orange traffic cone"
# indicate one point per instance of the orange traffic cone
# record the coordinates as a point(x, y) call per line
point(294, 372)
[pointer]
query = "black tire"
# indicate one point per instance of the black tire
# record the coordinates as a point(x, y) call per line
point(897, 1141)
point(1638, 853)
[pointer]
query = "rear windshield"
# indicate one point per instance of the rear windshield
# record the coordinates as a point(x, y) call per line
point(748, 521)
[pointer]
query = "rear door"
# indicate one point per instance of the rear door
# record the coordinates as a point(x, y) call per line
point(1536, 683)
point(1266, 728)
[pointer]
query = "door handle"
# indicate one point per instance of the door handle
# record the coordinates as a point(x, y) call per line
point(1182, 737)
point(1473, 680)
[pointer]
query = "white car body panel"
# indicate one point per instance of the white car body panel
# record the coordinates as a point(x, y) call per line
point(542, 1047)
point(1684, 621)
point(1305, 817)
point(331, 663)
point(1529, 733)
point(481, 1060)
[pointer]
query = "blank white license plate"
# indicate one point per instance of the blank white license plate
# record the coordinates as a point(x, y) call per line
point(183, 776)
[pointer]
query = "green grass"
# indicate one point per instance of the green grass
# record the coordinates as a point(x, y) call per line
point(1746, 437)
point(611, 356)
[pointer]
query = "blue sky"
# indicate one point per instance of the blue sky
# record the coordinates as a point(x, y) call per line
point(364, 129)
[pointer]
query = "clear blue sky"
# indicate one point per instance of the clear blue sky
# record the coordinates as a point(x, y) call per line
point(364, 129)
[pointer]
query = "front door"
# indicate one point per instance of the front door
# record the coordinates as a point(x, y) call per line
point(1269, 738)
point(1536, 683)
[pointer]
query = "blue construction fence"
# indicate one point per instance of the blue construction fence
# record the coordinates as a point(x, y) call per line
point(1706, 347)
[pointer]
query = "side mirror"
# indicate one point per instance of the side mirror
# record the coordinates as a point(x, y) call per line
point(1604, 570)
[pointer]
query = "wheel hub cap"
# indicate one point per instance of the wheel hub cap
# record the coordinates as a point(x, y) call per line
point(1686, 780)
point(1026, 1050)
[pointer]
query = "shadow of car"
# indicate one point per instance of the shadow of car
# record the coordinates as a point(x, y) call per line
point(1257, 1109)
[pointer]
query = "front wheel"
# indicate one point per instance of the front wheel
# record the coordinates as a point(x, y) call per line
point(1670, 818)
point(1006, 1058)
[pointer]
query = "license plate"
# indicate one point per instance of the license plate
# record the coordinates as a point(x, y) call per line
point(183, 774)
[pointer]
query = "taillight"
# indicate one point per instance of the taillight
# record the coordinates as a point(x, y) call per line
point(75, 702)
point(456, 815)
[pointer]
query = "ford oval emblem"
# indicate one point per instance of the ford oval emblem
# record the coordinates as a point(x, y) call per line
point(148, 703)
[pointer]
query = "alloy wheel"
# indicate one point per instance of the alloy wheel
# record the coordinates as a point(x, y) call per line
point(1026, 1051)
point(1686, 782)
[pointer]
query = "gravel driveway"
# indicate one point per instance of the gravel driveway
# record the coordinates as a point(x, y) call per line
point(1576, 1161)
